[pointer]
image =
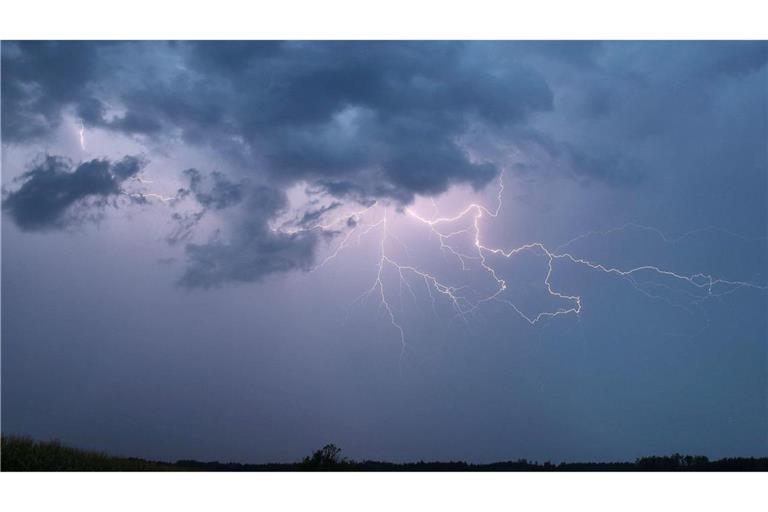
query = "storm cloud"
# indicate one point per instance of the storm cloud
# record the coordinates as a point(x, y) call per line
point(366, 114)
point(386, 120)
point(254, 251)
point(41, 79)
point(219, 194)
point(54, 188)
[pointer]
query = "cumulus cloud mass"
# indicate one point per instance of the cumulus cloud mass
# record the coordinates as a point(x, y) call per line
point(364, 121)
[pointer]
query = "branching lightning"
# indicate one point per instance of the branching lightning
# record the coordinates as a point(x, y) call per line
point(143, 196)
point(462, 241)
point(375, 218)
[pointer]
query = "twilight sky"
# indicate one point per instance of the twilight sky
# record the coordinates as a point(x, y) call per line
point(414, 250)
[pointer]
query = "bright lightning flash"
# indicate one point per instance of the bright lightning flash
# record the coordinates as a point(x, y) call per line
point(81, 132)
point(376, 218)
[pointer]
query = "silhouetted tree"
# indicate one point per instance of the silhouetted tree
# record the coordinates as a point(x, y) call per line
point(672, 462)
point(326, 457)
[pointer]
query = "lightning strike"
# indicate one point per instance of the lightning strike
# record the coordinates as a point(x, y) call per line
point(700, 286)
point(81, 131)
point(144, 196)
point(464, 300)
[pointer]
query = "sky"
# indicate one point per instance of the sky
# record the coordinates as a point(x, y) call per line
point(244, 250)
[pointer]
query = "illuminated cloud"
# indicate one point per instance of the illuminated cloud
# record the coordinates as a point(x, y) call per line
point(367, 121)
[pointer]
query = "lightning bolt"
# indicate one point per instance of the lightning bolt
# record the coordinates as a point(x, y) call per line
point(460, 238)
point(81, 131)
point(143, 195)
point(698, 286)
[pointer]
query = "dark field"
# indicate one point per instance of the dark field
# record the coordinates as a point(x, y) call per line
point(24, 454)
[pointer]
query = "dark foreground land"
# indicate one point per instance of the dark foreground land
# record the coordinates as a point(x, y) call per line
point(24, 454)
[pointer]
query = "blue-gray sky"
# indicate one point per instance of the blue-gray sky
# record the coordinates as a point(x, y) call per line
point(231, 250)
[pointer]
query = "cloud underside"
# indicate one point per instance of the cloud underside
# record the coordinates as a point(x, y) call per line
point(356, 120)
point(375, 118)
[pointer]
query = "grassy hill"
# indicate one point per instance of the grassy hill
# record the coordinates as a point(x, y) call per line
point(24, 454)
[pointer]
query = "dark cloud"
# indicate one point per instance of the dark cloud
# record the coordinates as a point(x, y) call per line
point(213, 191)
point(311, 216)
point(575, 54)
point(372, 120)
point(388, 114)
point(231, 56)
point(221, 193)
point(41, 78)
point(52, 189)
point(358, 119)
point(354, 112)
point(254, 250)
point(381, 119)
point(184, 226)
point(730, 58)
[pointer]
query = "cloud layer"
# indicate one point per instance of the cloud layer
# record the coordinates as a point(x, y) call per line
point(381, 118)
point(377, 120)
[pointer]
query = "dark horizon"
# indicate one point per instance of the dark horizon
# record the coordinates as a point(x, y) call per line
point(25, 454)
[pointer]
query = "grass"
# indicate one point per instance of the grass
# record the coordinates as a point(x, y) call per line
point(25, 454)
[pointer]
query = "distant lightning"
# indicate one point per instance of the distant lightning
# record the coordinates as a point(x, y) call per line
point(134, 195)
point(81, 131)
point(660, 234)
point(144, 196)
point(460, 238)
point(702, 286)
